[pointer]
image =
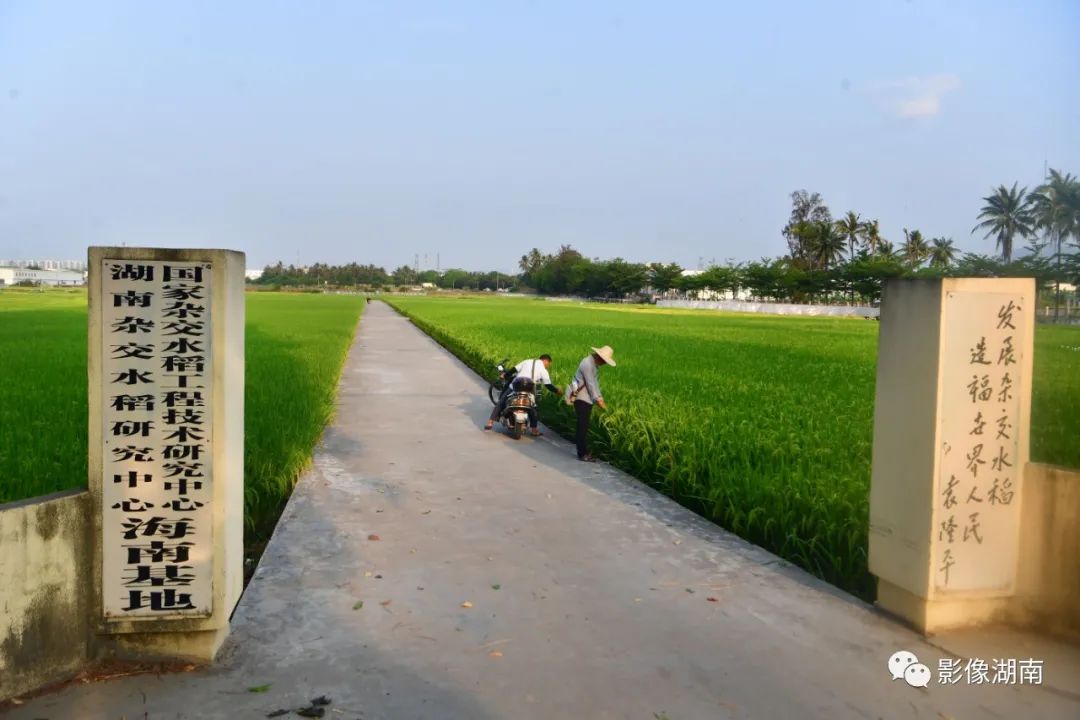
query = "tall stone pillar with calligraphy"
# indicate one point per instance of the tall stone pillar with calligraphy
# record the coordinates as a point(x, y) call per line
point(166, 447)
point(951, 420)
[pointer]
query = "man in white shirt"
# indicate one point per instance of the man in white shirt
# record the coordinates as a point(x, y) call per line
point(537, 369)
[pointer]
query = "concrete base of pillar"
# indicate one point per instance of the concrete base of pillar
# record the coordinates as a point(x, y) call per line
point(933, 616)
point(196, 647)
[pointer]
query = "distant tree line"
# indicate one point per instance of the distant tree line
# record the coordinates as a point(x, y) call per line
point(828, 260)
point(786, 279)
point(847, 260)
point(372, 276)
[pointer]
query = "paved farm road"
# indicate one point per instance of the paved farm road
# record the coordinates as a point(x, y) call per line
point(611, 601)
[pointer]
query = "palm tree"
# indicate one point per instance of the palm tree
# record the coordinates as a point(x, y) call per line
point(1055, 209)
point(827, 244)
point(872, 236)
point(942, 252)
point(887, 251)
point(1005, 215)
point(915, 249)
point(852, 229)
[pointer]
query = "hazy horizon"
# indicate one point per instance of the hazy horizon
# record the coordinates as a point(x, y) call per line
point(343, 132)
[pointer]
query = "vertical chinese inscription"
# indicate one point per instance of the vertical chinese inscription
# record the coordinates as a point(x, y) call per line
point(977, 508)
point(156, 432)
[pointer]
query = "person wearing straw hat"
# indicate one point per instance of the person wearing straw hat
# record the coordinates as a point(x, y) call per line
point(584, 392)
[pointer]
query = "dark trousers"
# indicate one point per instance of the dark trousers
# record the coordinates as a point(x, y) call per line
point(497, 410)
point(583, 409)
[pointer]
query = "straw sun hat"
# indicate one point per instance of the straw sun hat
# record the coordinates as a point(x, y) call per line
point(607, 354)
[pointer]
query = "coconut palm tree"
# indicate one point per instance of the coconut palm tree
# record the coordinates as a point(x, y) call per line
point(915, 250)
point(852, 228)
point(942, 252)
point(1005, 215)
point(887, 251)
point(872, 236)
point(827, 244)
point(1055, 209)
point(800, 241)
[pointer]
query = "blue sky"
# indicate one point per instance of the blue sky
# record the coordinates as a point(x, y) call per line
point(375, 131)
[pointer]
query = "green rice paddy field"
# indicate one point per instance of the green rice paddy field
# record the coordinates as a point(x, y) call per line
point(296, 345)
point(760, 423)
point(763, 424)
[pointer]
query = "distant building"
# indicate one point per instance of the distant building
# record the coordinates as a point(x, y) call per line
point(77, 265)
point(14, 275)
point(253, 274)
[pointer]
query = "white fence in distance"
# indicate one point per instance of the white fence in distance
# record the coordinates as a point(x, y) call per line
point(773, 308)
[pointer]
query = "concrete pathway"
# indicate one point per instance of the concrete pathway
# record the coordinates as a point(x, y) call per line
point(590, 596)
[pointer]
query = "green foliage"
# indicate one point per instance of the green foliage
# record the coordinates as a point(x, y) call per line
point(319, 275)
point(568, 272)
point(1005, 215)
point(350, 275)
point(839, 261)
point(1054, 208)
point(428, 276)
point(807, 210)
point(915, 249)
point(762, 424)
point(852, 228)
point(458, 279)
point(821, 244)
point(942, 252)
point(404, 275)
point(664, 277)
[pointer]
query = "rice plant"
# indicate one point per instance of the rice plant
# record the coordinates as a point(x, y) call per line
point(296, 345)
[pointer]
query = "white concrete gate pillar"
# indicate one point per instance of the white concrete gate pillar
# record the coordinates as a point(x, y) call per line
point(951, 428)
point(166, 448)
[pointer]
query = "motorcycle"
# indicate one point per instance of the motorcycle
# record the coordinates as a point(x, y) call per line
point(505, 375)
point(520, 401)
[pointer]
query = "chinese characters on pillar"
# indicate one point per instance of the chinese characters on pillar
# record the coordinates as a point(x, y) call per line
point(977, 513)
point(156, 456)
